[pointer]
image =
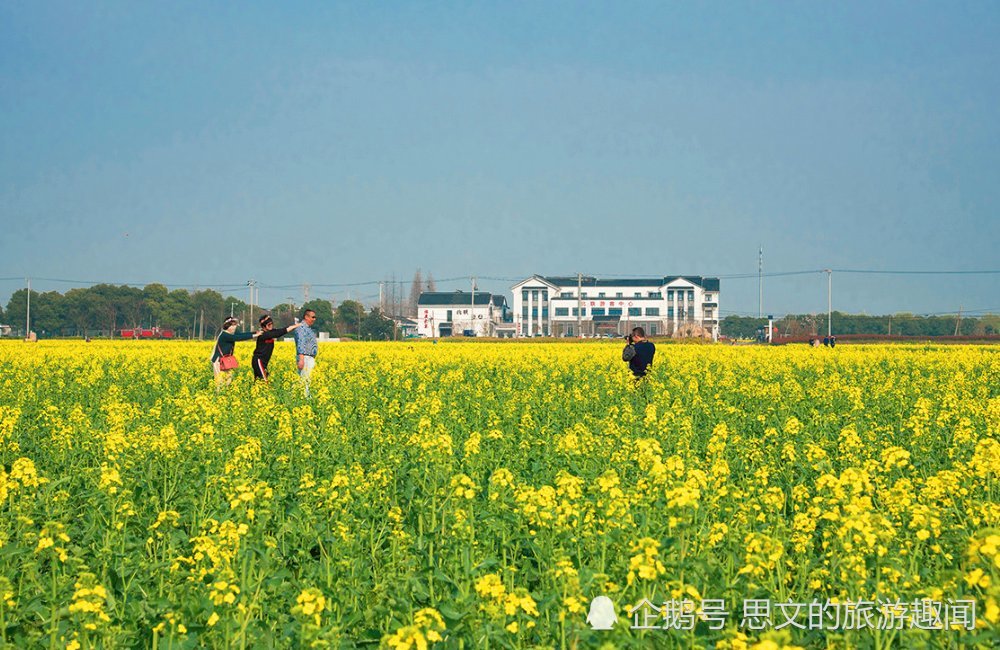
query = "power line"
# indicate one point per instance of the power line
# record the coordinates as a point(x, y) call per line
point(462, 278)
point(220, 285)
point(877, 272)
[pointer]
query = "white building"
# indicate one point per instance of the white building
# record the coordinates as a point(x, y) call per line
point(453, 313)
point(570, 306)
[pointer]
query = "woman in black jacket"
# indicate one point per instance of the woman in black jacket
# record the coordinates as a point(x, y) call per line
point(265, 345)
point(225, 345)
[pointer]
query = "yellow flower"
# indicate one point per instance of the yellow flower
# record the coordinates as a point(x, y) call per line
point(310, 605)
point(645, 565)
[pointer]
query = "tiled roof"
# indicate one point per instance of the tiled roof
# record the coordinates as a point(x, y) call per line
point(429, 298)
point(709, 284)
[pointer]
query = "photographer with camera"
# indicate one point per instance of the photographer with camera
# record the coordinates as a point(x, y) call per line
point(638, 352)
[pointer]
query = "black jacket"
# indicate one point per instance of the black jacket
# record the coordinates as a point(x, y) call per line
point(265, 343)
point(644, 351)
point(226, 343)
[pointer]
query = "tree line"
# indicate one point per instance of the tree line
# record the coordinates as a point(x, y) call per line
point(107, 309)
point(902, 324)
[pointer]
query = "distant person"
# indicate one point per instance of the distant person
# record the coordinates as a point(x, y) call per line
point(833, 341)
point(223, 361)
point(306, 347)
point(638, 352)
point(265, 345)
point(826, 341)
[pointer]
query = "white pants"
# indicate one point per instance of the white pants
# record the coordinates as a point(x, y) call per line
point(308, 363)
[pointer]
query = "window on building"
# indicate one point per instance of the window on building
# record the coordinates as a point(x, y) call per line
point(619, 295)
point(652, 294)
point(545, 313)
point(575, 310)
point(586, 295)
point(597, 311)
point(534, 295)
point(545, 294)
point(562, 311)
point(670, 312)
point(565, 294)
point(635, 311)
point(534, 312)
point(690, 296)
point(615, 311)
point(652, 330)
point(524, 312)
point(670, 296)
point(600, 294)
point(448, 318)
point(524, 295)
point(637, 294)
point(708, 297)
point(652, 311)
point(690, 314)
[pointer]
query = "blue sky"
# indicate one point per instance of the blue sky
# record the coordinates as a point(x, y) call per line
point(327, 143)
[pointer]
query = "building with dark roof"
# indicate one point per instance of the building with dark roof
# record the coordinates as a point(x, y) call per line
point(454, 313)
point(590, 306)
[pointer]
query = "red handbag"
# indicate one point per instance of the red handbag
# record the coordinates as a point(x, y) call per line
point(227, 361)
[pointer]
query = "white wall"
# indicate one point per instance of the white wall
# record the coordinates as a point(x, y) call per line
point(592, 299)
point(463, 317)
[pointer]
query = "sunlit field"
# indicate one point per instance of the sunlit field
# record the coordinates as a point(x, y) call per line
point(482, 495)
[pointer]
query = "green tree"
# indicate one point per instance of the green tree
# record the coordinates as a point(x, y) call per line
point(17, 307)
point(154, 299)
point(109, 302)
point(208, 305)
point(176, 312)
point(233, 306)
point(284, 314)
point(349, 316)
point(47, 314)
point(377, 327)
point(989, 324)
point(132, 307)
point(325, 321)
point(82, 309)
point(741, 327)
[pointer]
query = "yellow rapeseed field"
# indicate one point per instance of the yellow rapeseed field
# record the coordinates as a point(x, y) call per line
point(482, 495)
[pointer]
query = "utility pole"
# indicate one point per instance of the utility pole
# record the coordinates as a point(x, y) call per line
point(27, 317)
point(305, 293)
point(472, 310)
point(251, 283)
point(959, 321)
point(381, 296)
point(760, 282)
point(579, 305)
point(829, 302)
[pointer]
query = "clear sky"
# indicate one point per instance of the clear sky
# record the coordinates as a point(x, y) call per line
point(208, 143)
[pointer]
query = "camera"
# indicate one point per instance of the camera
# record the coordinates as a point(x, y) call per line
point(628, 337)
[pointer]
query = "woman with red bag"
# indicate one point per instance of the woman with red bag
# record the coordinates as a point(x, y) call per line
point(223, 360)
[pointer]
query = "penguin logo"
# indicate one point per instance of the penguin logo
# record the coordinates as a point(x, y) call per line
point(602, 613)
